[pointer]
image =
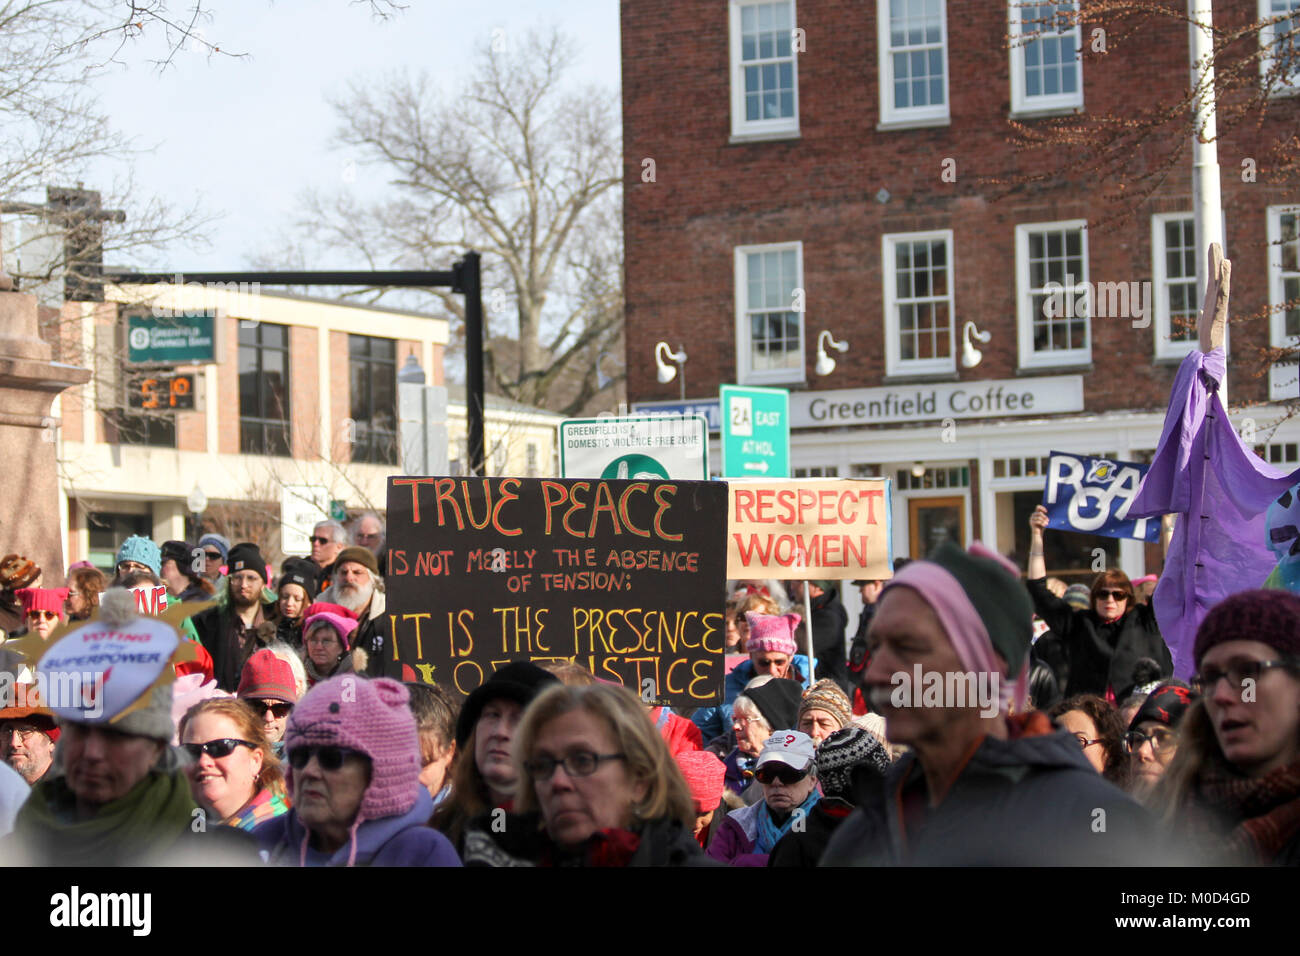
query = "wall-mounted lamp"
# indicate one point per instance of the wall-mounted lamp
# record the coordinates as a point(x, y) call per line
point(826, 364)
point(663, 356)
point(970, 355)
point(918, 470)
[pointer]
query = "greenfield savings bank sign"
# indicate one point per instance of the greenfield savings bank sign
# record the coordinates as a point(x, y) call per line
point(186, 338)
point(989, 398)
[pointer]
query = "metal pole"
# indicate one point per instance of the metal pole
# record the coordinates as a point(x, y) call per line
point(807, 632)
point(1207, 204)
point(470, 284)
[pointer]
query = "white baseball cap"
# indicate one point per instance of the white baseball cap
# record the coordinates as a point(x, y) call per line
point(790, 747)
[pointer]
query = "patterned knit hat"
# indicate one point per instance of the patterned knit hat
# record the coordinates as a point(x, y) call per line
point(337, 616)
point(266, 676)
point(1078, 596)
point(371, 716)
point(773, 633)
point(142, 550)
point(826, 695)
point(43, 599)
point(17, 571)
point(1271, 617)
point(1166, 704)
point(840, 753)
point(704, 774)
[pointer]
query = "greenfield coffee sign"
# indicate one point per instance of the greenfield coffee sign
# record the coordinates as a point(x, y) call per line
point(185, 338)
point(625, 577)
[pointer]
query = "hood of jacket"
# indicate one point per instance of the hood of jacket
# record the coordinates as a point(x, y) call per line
point(286, 837)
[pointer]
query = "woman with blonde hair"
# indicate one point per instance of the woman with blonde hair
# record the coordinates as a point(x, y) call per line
point(234, 775)
point(597, 787)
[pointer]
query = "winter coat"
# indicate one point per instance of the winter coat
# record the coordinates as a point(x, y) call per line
point(1100, 656)
point(371, 636)
point(735, 841)
point(403, 840)
point(520, 840)
point(212, 628)
point(829, 623)
point(804, 848)
point(1029, 801)
point(716, 721)
point(289, 631)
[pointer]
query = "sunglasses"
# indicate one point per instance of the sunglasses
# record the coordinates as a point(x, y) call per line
point(1116, 595)
point(317, 539)
point(329, 757)
point(41, 615)
point(771, 773)
point(216, 749)
point(278, 707)
point(212, 555)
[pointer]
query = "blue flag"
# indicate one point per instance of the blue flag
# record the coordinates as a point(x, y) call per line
point(1093, 496)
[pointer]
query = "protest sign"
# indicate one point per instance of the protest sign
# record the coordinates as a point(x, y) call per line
point(1093, 496)
point(624, 577)
point(809, 529)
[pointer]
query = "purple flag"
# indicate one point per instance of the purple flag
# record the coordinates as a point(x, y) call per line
point(1220, 490)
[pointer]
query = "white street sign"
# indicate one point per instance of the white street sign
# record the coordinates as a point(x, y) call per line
point(639, 447)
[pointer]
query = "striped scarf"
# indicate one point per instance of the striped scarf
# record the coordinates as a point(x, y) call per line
point(264, 806)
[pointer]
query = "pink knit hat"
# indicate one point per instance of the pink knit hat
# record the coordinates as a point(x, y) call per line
point(340, 618)
point(373, 717)
point(771, 632)
point(43, 599)
point(704, 774)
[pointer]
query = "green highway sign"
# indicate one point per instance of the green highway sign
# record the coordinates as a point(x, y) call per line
point(188, 338)
point(755, 432)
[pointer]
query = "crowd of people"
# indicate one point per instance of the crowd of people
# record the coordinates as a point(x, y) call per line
point(251, 724)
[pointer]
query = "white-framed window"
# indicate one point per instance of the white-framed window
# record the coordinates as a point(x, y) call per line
point(1174, 261)
point(1046, 69)
point(764, 70)
point(770, 306)
point(920, 323)
point(1284, 295)
point(1280, 43)
point(1052, 301)
point(913, 45)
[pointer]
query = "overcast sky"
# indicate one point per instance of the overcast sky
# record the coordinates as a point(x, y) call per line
point(245, 135)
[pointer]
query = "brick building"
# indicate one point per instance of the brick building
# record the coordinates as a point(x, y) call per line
point(821, 166)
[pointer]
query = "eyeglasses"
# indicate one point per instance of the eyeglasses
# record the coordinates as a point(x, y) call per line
point(1084, 742)
point(216, 749)
point(1161, 739)
point(772, 772)
point(317, 539)
point(581, 764)
point(278, 707)
point(329, 757)
point(768, 662)
point(1238, 672)
point(1116, 595)
point(126, 567)
point(24, 731)
point(36, 615)
point(212, 555)
point(743, 722)
point(367, 537)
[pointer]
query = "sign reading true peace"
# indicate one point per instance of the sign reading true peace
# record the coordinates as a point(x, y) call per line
point(624, 577)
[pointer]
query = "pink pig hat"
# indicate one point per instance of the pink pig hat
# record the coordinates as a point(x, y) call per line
point(773, 633)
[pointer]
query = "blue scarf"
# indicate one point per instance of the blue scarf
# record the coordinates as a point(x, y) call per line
point(768, 833)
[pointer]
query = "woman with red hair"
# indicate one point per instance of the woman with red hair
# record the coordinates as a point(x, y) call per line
point(1102, 644)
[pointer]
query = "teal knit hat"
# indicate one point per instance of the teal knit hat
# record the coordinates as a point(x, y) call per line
point(137, 548)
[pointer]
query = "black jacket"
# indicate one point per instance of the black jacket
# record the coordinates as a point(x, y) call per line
point(829, 623)
point(1097, 655)
point(804, 848)
point(213, 628)
point(1030, 801)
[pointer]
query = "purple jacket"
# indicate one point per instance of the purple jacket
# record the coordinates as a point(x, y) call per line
point(388, 841)
point(1220, 491)
point(735, 841)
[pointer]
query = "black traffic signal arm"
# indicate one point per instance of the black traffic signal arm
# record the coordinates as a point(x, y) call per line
point(463, 278)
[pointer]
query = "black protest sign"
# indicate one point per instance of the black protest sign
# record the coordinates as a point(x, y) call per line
point(626, 578)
